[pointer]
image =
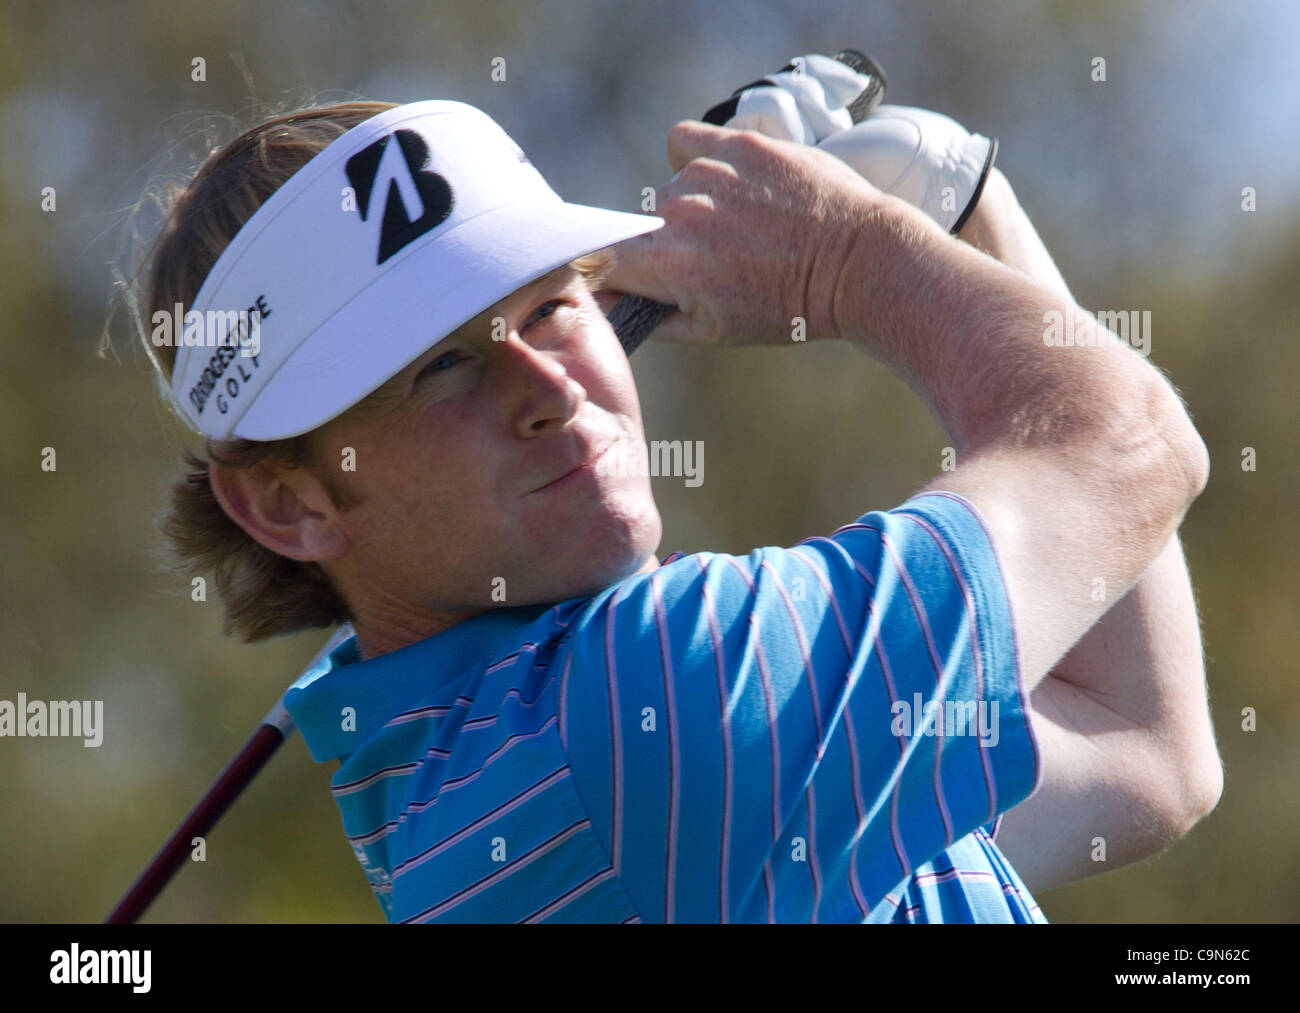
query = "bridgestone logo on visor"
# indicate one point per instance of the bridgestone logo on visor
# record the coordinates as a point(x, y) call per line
point(415, 199)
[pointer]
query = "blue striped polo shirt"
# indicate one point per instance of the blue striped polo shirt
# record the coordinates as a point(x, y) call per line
point(822, 733)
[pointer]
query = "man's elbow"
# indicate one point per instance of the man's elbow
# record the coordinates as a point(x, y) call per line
point(1157, 463)
point(1203, 793)
point(1193, 459)
point(1189, 458)
point(1192, 793)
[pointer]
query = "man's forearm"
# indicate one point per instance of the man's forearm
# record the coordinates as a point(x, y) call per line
point(1144, 662)
point(1125, 739)
point(999, 227)
point(967, 334)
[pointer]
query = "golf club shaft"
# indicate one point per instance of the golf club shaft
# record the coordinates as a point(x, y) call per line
point(247, 763)
point(211, 807)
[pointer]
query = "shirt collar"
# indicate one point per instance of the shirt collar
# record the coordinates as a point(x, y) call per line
point(380, 688)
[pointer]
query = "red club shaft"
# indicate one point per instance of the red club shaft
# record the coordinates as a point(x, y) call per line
point(251, 758)
point(207, 811)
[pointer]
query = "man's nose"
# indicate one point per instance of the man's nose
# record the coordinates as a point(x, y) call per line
point(538, 389)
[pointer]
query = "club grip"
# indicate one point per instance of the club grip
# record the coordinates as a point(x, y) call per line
point(634, 317)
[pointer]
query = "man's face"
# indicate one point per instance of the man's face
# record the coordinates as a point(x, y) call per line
point(469, 464)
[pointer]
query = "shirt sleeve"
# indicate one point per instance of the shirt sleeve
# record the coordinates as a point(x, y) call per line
point(785, 736)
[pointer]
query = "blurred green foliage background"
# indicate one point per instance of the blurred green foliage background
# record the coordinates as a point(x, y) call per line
point(1135, 184)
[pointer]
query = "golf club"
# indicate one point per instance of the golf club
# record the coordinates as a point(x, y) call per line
point(273, 730)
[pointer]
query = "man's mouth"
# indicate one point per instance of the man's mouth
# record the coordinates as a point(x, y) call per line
point(587, 468)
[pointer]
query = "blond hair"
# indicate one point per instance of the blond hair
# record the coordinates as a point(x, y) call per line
point(263, 593)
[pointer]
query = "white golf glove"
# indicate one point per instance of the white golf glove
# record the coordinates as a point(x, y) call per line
point(923, 157)
point(809, 99)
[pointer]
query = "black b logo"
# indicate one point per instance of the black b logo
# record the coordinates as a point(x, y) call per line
point(415, 199)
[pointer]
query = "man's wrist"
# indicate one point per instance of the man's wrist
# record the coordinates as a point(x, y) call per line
point(877, 277)
point(983, 228)
point(999, 227)
point(964, 331)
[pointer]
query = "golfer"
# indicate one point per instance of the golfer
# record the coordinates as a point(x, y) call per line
point(925, 715)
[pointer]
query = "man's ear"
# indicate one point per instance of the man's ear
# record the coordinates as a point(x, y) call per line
point(285, 509)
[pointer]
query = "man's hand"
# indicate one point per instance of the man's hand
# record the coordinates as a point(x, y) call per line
point(758, 232)
point(808, 100)
point(927, 159)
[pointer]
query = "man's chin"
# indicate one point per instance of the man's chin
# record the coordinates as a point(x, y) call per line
point(595, 575)
point(597, 547)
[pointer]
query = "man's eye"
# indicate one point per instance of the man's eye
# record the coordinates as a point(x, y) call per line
point(447, 360)
point(545, 310)
point(441, 364)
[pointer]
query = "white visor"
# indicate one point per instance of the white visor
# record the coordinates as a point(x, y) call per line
point(404, 228)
